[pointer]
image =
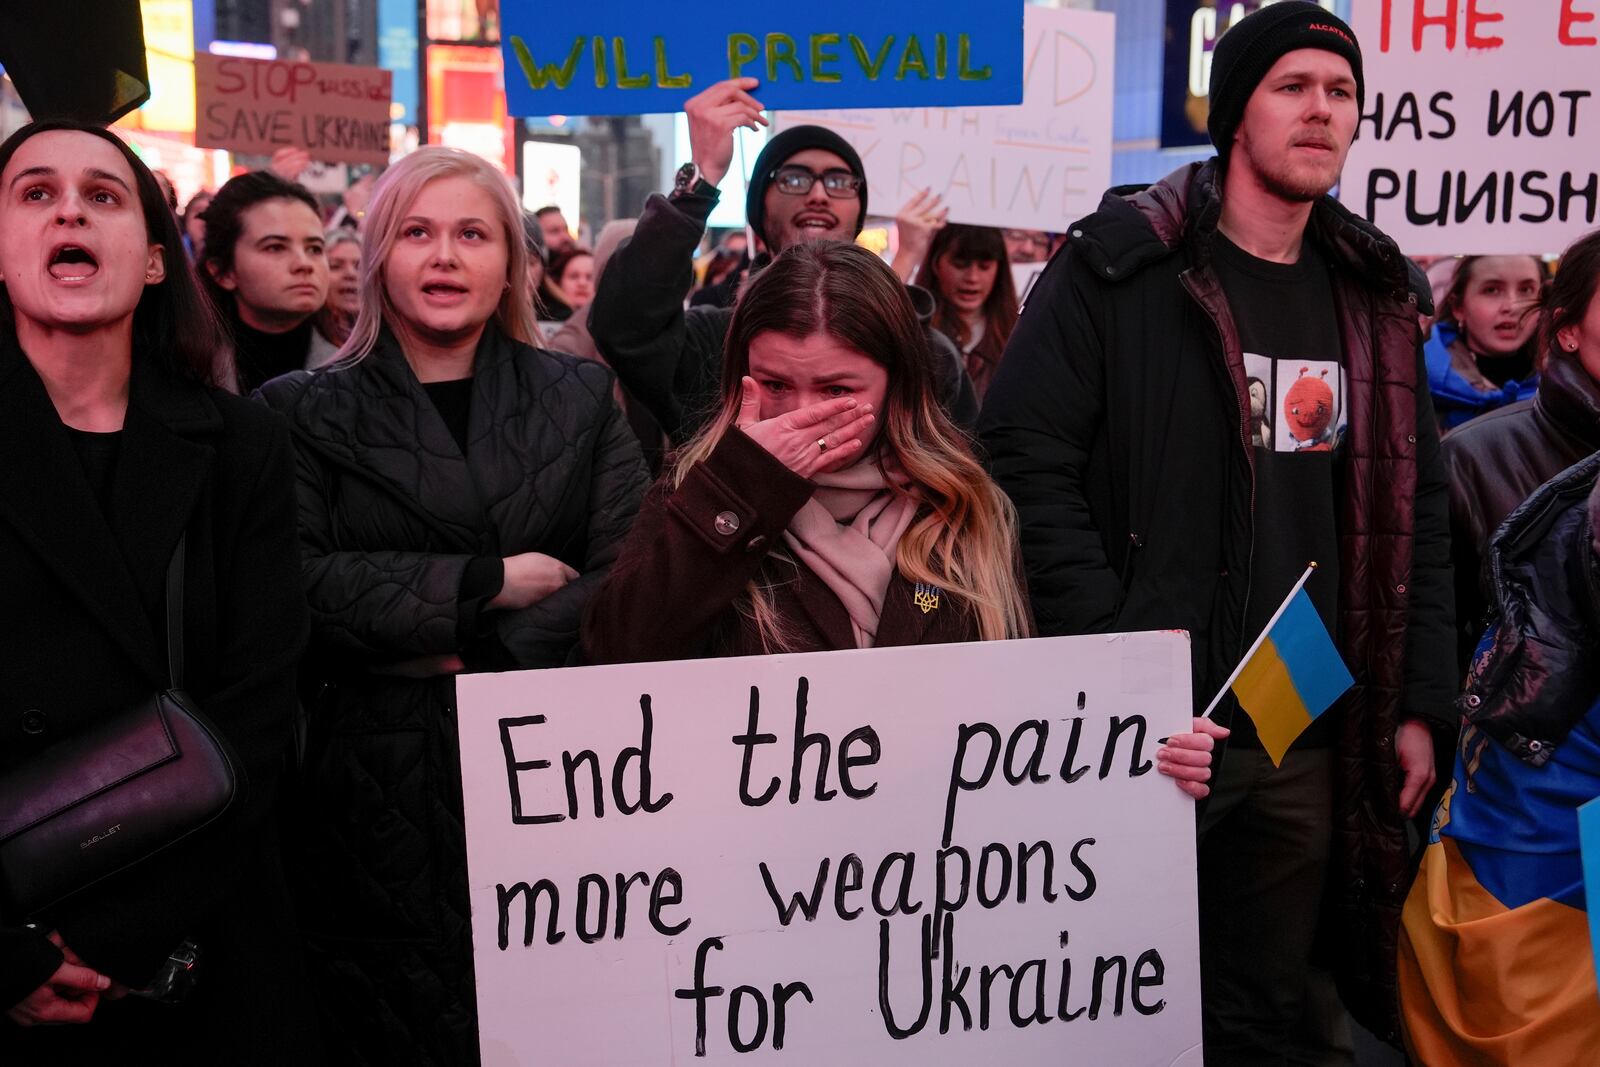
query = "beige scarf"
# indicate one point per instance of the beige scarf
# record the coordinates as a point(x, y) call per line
point(847, 533)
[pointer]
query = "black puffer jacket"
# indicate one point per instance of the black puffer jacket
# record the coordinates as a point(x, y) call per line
point(391, 517)
point(672, 359)
point(1497, 459)
point(1538, 676)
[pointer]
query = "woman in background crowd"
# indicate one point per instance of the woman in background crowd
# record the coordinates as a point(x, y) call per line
point(344, 285)
point(573, 272)
point(1496, 460)
point(1495, 963)
point(194, 224)
point(968, 272)
point(115, 442)
point(265, 265)
point(830, 503)
point(573, 336)
point(462, 494)
point(1481, 354)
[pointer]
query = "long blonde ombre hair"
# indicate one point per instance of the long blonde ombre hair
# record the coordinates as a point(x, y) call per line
point(964, 539)
point(392, 198)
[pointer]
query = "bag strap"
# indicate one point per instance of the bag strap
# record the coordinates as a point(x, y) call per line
point(175, 613)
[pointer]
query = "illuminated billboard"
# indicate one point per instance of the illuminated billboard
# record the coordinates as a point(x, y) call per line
point(467, 102)
point(463, 20)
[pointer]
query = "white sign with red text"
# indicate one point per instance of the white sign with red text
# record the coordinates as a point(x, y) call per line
point(1481, 131)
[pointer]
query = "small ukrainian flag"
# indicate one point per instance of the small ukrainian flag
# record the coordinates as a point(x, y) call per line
point(1291, 675)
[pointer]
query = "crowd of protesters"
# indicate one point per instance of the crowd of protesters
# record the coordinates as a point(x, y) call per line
point(436, 435)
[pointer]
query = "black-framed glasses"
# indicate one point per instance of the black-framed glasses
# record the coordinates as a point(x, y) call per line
point(797, 181)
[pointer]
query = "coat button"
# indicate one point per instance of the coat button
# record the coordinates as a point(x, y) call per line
point(756, 543)
point(1474, 700)
point(33, 721)
point(726, 523)
point(1401, 589)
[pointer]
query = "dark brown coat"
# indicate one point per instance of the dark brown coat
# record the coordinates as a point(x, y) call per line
point(693, 550)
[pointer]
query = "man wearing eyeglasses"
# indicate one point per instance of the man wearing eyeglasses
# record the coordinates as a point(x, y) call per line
point(808, 184)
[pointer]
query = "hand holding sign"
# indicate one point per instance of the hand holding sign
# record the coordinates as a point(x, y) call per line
point(713, 116)
point(1186, 758)
point(924, 215)
point(808, 440)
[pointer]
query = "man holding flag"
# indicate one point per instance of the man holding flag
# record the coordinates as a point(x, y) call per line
point(1216, 383)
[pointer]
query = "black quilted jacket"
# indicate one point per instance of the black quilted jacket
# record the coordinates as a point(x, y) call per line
point(1538, 674)
point(391, 514)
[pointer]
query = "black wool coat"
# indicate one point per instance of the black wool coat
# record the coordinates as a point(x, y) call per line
point(82, 636)
point(391, 517)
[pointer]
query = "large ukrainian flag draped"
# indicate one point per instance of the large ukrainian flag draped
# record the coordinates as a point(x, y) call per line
point(1293, 674)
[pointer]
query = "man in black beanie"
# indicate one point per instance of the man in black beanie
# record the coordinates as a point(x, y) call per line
point(808, 184)
point(1217, 381)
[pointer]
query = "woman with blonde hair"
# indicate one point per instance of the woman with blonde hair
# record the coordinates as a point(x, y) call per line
point(462, 494)
point(829, 503)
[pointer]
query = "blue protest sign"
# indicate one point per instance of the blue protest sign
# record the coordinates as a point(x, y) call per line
point(1589, 835)
point(629, 57)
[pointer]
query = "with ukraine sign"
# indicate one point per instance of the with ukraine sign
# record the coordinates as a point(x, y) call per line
point(634, 57)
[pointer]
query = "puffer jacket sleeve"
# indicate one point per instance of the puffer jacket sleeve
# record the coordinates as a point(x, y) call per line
point(1431, 678)
point(1040, 419)
point(668, 359)
point(692, 552)
point(377, 606)
point(545, 634)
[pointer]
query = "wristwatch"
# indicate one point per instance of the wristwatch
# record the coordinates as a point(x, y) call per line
point(690, 183)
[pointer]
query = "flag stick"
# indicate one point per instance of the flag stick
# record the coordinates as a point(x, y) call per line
point(1234, 677)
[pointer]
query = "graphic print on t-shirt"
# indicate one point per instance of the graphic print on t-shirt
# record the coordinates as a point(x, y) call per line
point(1296, 405)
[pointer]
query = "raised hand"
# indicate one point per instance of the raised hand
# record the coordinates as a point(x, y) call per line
point(714, 114)
point(825, 436)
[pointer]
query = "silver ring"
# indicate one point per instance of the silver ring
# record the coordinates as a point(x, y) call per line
point(822, 444)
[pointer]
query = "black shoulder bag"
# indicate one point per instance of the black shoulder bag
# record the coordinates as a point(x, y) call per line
point(108, 797)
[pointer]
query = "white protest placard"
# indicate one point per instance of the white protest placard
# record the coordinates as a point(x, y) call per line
point(946, 854)
point(1481, 131)
point(1037, 165)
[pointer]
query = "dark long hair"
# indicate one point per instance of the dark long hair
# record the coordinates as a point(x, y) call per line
point(224, 218)
point(1566, 300)
point(980, 243)
point(1450, 306)
point(174, 324)
point(964, 539)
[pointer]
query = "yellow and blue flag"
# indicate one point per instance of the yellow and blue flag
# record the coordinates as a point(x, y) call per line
point(1293, 675)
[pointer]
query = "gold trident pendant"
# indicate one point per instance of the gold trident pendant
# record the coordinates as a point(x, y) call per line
point(926, 597)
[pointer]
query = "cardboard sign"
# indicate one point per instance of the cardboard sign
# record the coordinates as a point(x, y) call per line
point(1039, 165)
point(338, 113)
point(630, 57)
point(945, 854)
point(1481, 124)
